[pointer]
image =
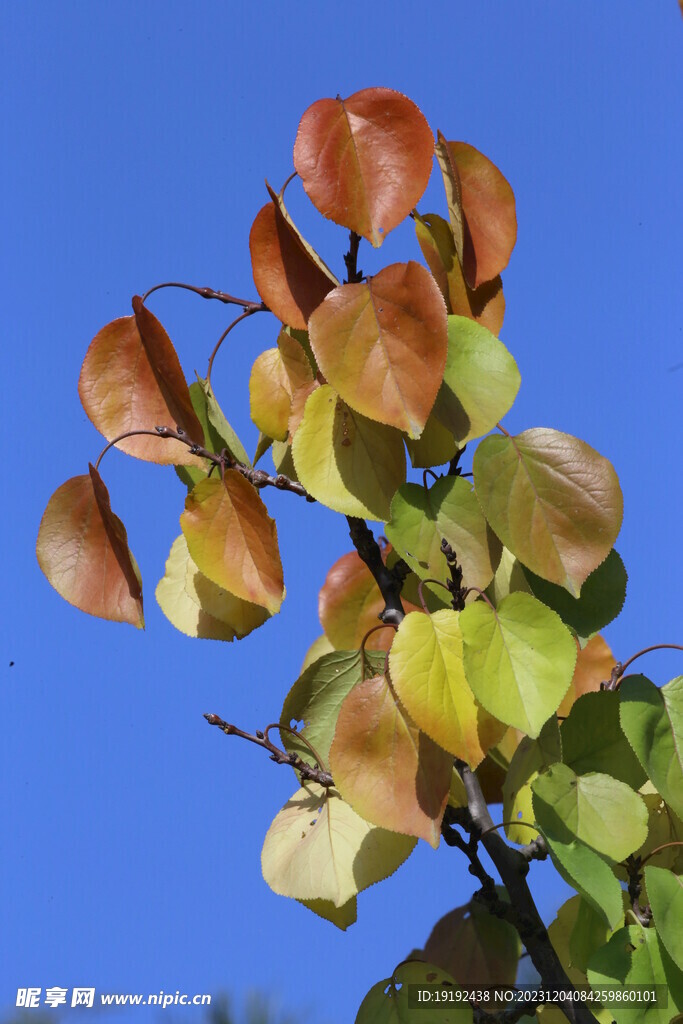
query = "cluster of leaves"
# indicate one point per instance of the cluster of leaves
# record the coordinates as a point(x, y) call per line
point(487, 671)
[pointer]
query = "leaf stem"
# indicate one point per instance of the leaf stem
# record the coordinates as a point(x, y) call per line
point(226, 332)
point(420, 595)
point(286, 728)
point(477, 590)
point(658, 849)
point(619, 669)
point(122, 437)
point(210, 293)
point(503, 430)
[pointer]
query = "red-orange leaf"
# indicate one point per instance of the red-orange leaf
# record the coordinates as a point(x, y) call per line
point(349, 605)
point(233, 540)
point(131, 379)
point(485, 304)
point(594, 665)
point(83, 550)
point(382, 344)
point(391, 773)
point(364, 161)
point(288, 279)
point(488, 204)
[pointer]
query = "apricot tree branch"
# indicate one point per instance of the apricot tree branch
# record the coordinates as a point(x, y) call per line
point(261, 739)
point(389, 581)
point(211, 293)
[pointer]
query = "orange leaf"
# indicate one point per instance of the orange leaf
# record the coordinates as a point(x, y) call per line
point(288, 279)
point(485, 304)
point(391, 773)
point(488, 204)
point(131, 379)
point(364, 162)
point(382, 345)
point(232, 539)
point(593, 666)
point(349, 605)
point(83, 550)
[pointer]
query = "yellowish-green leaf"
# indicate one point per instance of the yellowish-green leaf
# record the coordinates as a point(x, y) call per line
point(233, 540)
point(519, 659)
point(281, 381)
point(429, 677)
point(553, 501)
point(389, 1002)
point(652, 719)
point(349, 463)
point(321, 645)
point(434, 447)
point(665, 896)
point(217, 431)
point(480, 382)
point(636, 957)
point(341, 917)
point(530, 757)
point(318, 848)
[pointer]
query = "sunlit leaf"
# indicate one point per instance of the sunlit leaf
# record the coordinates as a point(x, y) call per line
point(217, 431)
point(200, 608)
point(652, 719)
point(636, 957)
point(488, 212)
point(519, 659)
point(593, 741)
point(390, 771)
point(131, 379)
point(449, 510)
point(288, 280)
point(364, 161)
point(83, 550)
point(278, 199)
point(530, 758)
point(485, 304)
point(318, 848)
point(233, 540)
point(602, 596)
point(346, 461)
point(389, 1001)
point(313, 703)
point(281, 381)
point(665, 896)
point(475, 947)
point(428, 674)
point(451, 181)
point(594, 665)
point(509, 578)
point(349, 605)
point(665, 829)
point(596, 809)
point(382, 344)
point(553, 501)
point(480, 381)
point(262, 446)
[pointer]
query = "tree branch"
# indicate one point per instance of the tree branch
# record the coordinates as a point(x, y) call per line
point(513, 866)
point(307, 771)
point(211, 293)
point(389, 581)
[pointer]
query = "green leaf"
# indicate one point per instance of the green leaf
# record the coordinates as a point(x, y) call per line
point(509, 578)
point(665, 896)
point(388, 1002)
point(349, 463)
point(652, 719)
point(317, 695)
point(420, 518)
point(428, 674)
point(341, 917)
point(318, 848)
point(635, 956)
point(218, 433)
point(530, 757)
point(602, 596)
point(480, 382)
point(434, 447)
point(553, 501)
point(587, 872)
point(200, 608)
point(593, 741)
point(321, 645)
point(519, 659)
point(597, 809)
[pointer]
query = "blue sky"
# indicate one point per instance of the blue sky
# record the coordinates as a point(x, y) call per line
point(136, 140)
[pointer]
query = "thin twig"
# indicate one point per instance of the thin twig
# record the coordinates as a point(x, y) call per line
point(211, 293)
point(307, 771)
point(619, 669)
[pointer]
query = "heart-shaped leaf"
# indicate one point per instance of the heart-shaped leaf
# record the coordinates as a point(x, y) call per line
point(382, 344)
point(281, 381)
point(131, 379)
point(553, 501)
point(365, 161)
point(392, 1001)
point(665, 896)
point(233, 540)
point(83, 550)
point(652, 719)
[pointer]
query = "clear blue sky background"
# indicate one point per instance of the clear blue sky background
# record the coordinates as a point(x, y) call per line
point(136, 137)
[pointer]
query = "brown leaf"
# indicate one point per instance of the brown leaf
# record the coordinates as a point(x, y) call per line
point(594, 665)
point(365, 161)
point(288, 279)
point(83, 550)
point(475, 947)
point(391, 773)
point(233, 540)
point(488, 204)
point(131, 379)
point(382, 345)
point(485, 304)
